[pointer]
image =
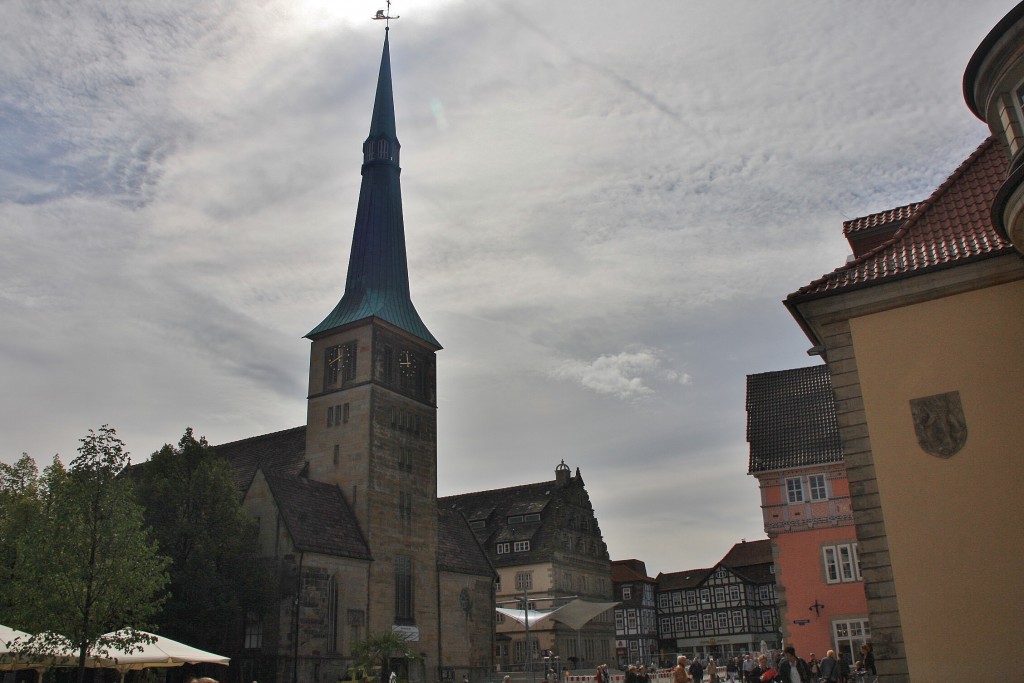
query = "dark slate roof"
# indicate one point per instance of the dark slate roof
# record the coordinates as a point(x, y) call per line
point(791, 419)
point(378, 272)
point(952, 227)
point(495, 506)
point(691, 578)
point(317, 516)
point(276, 452)
point(748, 553)
point(751, 560)
point(624, 571)
point(457, 548)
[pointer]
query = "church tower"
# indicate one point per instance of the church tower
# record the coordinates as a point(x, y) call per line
point(371, 408)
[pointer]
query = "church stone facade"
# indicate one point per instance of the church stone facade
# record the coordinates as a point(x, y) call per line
point(347, 504)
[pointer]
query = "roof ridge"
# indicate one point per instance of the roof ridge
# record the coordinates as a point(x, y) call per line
point(259, 436)
point(912, 221)
point(550, 482)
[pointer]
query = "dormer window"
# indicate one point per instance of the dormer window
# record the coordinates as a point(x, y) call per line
point(521, 546)
point(534, 517)
point(515, 519)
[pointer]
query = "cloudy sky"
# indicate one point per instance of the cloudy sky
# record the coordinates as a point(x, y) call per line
point(605, 203)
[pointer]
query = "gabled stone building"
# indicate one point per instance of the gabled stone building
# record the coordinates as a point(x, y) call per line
point(347, 503)
point(545, 543)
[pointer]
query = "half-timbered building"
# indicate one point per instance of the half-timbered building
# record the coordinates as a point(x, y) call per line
point(721, 611)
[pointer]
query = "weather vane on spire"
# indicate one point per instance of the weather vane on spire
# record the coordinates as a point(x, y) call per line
point(386, 16)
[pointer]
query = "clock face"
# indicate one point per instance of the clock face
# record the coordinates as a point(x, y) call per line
point(407, 362)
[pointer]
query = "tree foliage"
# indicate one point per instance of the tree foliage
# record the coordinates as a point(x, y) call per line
point(84, 564)
point(375, 652)
point(194, 509)
point(20, 492)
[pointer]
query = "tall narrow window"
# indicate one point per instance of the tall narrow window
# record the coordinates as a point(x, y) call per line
point(403, 590)
point(348, 362)
point(816, 482)
point(332, 368)
point(794, 490)
point(253, 631)
point(332, 615)
point(405, 508)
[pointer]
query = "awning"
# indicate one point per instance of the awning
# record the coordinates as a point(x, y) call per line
point(574, 614)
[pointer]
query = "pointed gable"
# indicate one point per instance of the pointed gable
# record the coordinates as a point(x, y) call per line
point(317, 516)
point(275, 452)
point(952, 227)
point(457, 548)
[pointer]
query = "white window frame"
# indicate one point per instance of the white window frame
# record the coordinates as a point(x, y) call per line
point(841, 563)
point(524, 580)
point(666, 625)
point(680, 623)
point(627, 593)
point(503, 548)
point(794, 490)
point(663, 600)
point(818, 486)
point(521, 546)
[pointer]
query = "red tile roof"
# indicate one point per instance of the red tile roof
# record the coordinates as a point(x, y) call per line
point(951, 227)
point(900, 213)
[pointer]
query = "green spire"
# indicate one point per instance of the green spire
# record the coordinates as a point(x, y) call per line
point(378, 272)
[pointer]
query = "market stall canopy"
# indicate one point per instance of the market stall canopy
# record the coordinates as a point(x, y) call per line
point(573, 614)
point(161, 652)
point(7, 635)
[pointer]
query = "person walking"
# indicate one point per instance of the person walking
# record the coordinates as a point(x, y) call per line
point(696, 670)
point(681, 674)
point(829, 668)
point(792, 669)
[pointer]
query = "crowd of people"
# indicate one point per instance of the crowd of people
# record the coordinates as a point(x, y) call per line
point(778, 667)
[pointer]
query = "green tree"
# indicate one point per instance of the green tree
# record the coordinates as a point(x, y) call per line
point(85, 565)
point(376, 652)
point(20, 491)
point(194, 508)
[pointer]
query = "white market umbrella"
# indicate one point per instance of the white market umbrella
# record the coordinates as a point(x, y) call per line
point(161, 652)
point(8, 634)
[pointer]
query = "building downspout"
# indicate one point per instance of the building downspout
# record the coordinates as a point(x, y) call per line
point(298, 606)
point(440, 640)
